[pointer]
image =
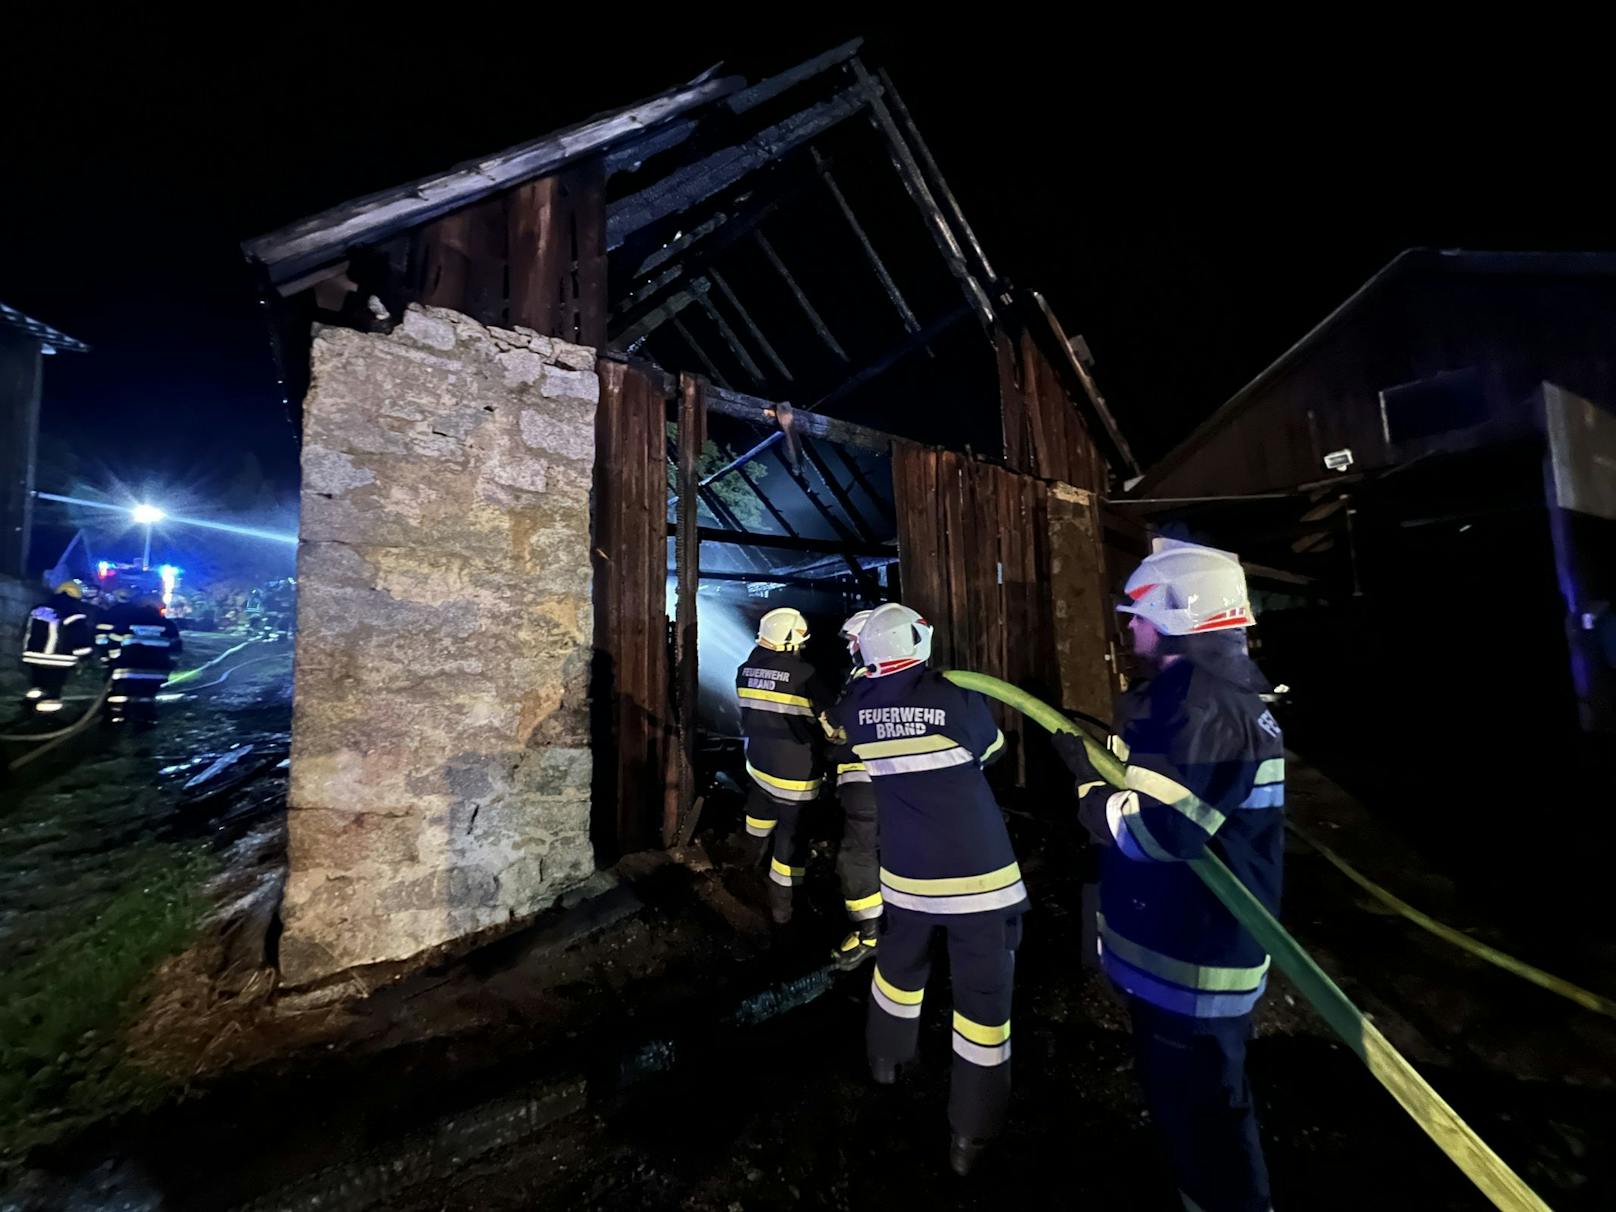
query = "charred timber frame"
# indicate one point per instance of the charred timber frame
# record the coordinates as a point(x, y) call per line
point(679, 800)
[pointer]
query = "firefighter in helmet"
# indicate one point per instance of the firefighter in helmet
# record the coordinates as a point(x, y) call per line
point(946, 867)
point(56, 637)
point(142, 645)
point(1205, 773)
point(783, 715)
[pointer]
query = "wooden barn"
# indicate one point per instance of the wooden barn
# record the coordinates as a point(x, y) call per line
point(806, 383)
point(1426, 482)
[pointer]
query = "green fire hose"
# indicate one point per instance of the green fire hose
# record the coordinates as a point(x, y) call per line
point(1491, 1175)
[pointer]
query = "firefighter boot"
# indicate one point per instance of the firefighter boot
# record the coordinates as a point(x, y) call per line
point(855, 948)
point(963, 1154)
point(780, 903)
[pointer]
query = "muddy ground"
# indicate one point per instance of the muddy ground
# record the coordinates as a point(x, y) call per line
point(651, 1045)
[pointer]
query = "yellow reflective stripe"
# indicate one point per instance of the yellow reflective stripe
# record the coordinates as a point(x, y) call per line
point(979, 1033)
point(1176, 796)
point(773, 696)
point(783, 784)
point(991, 881)
point(1084, 788)
point(904, 745)
point(844, 767)
point(904, 997)
point(756, 822)
point(1208, 978)
point(783, 869)
point(998, 744)
point(1136, 827)
point(866, 902)
point(1271, 771)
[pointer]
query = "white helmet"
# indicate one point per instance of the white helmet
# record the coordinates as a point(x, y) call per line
point(851, 628)
point(894, 638)
point(783, 630)
point(1184, 588)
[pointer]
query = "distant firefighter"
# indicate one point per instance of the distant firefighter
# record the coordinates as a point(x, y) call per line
point(58, 635)
point(141, 648)
point(783, 705)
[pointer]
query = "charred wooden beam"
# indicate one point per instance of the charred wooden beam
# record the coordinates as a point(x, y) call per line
point(1059, 348)
point(689, 338)
point(795, 581)
point(838, 491)
point(916, 340)
point(657, 317)
point(883, 275)
point(859, 478)
point(939, 183)
point(721, 513)
point(915, 183)
point(299, 248)
point(750, 408)
point(680, 243)
point(780, 519)
point(848, 537)
point(769, 352)
point(731, 337)
point(682, 786)
point(768, 90)
point(683, 189)
point(796, 290)
point(834, 547)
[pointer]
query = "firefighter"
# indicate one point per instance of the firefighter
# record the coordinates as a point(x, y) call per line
point(141, 648)
point(856, 864)
point(946, 865)
point(783, 716)
point(57, 636)
point(1205, 772)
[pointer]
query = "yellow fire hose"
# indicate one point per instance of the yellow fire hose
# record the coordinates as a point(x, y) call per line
point(1491, 1175)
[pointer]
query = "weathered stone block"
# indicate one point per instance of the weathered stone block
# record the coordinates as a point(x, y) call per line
point(440, 753)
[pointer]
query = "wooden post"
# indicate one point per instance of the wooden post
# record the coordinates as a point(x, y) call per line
point(19, 439)
point(680, 799)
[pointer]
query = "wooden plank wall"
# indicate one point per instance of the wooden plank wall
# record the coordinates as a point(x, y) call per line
point(1044, 434)
point(631, 683)
point(534, 255)
point(973, 544)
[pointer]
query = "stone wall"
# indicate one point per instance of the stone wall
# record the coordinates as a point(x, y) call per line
point(440, 749)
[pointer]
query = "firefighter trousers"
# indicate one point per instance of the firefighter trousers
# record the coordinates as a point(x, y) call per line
point(856, 863)
point(48, 680)
point(1193, 1071)
point(773, 827)
point(981, 962)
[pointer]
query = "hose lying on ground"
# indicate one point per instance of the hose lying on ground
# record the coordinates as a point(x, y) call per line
point(1585, 998)
point(61, 734)
point(1489, 1172)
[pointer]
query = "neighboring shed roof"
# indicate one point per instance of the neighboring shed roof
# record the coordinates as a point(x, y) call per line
point(50, 338)
point(1408, 262)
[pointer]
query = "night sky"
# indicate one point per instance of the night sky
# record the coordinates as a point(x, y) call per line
point(1191, 211)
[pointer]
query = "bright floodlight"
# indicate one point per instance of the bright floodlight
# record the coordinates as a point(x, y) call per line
point(147, 515)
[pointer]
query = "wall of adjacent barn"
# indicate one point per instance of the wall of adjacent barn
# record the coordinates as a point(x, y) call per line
point(440, 778)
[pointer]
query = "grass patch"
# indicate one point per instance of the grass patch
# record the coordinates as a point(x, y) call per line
point(64, 1010)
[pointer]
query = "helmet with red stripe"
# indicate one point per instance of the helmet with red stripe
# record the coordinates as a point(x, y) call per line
point(1186, 589)
point(894, 638)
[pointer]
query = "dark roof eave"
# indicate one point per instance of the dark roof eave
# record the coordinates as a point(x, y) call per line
point(52, 339)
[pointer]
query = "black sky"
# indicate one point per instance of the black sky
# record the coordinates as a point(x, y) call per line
point(1192, 200)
